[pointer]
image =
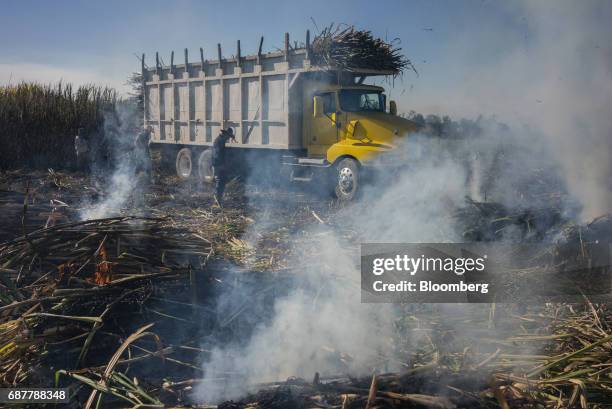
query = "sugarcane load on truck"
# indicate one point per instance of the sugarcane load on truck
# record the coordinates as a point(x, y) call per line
point(304, 112)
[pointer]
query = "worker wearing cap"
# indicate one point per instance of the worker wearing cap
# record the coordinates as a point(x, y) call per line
point(218, 162)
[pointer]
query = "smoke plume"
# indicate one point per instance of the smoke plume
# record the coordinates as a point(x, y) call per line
point(321, 325)
point(547, 67)
point(115, 165)
point(553, 89)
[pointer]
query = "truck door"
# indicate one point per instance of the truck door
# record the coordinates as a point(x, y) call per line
point(324, 132)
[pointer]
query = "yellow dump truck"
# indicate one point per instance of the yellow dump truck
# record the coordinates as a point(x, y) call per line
point(310, 122)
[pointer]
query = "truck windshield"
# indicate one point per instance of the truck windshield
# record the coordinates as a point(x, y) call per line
point(356, 100)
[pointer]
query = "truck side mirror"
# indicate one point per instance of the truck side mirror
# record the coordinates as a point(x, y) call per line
point(392, 107)
point(318, 107)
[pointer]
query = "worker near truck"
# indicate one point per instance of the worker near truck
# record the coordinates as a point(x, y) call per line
point(142, 154)
point(218, 163)
point(81, 149)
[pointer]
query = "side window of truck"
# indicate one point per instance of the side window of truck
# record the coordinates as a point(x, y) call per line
point(329, 102)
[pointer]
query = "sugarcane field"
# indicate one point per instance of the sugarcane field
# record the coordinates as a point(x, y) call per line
point(339, 205)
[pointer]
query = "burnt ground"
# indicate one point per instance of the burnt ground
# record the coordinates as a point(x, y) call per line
point(257, 238)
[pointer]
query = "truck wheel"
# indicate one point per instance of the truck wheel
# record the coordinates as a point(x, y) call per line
point(347, 179)
point(183, 163)
point(205, 169)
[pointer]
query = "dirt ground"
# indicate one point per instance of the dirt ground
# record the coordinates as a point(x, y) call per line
point(56, 197)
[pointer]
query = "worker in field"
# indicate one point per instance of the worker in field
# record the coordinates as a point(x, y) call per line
point(218, 163)
point(81, 149)
point(142, 153)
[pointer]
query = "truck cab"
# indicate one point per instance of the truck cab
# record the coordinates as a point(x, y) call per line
point(349, 129)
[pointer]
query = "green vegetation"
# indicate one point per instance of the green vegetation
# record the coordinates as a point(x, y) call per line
point(39, 121)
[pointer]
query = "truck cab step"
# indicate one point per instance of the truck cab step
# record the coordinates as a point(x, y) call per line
point(301, 179)
point(304, 161)
point(313, 161)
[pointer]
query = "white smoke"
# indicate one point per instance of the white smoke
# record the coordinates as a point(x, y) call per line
point(548, 65)
point(321, 326)
point(554, 89)
point(121, 188)
point(115, 166)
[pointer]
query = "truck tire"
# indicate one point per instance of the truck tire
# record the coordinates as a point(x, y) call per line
point(347, 179)
point(184, 163)
point(205, 169)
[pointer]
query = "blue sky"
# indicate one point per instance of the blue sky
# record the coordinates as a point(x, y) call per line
point(97, 41)
point(448, 41)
